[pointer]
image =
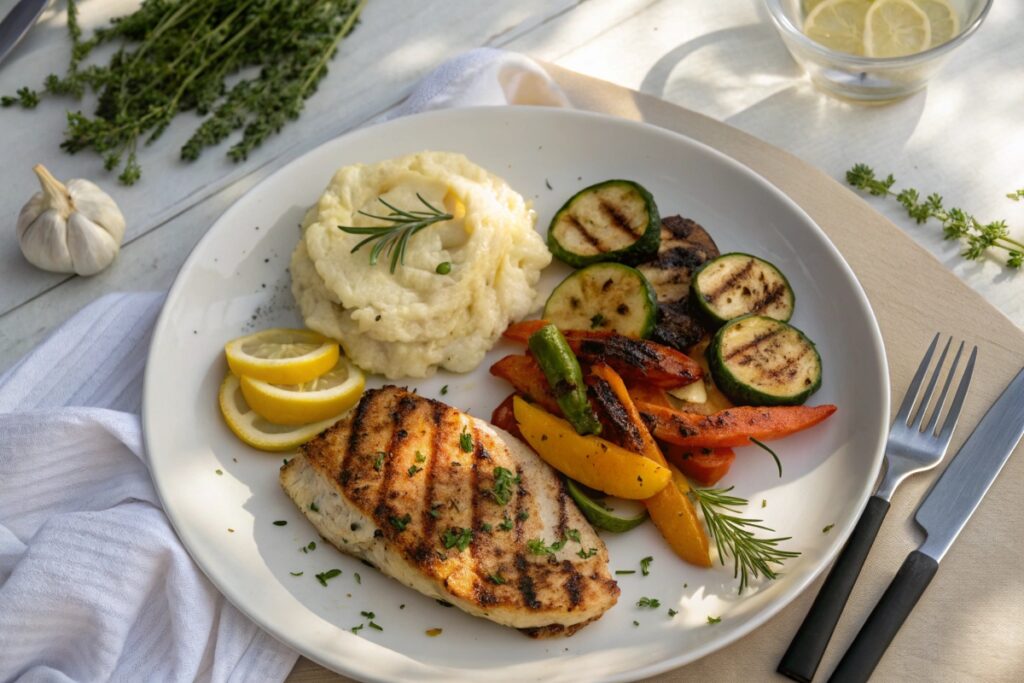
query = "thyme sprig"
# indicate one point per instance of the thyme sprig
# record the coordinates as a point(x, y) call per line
point(393, 239)
point(187, 55)
point(734, 536)
point(957, 224)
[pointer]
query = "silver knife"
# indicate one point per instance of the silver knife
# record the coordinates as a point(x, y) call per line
point(16, 24)
point(942, 515)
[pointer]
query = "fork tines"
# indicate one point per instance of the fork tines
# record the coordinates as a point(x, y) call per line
point(903, 417)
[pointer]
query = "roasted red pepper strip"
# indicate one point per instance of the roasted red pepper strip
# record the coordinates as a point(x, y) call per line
point(731, 427)
point(636, 360)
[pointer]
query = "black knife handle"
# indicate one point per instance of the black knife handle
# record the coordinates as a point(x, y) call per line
point(885, 620)
point(804, 654)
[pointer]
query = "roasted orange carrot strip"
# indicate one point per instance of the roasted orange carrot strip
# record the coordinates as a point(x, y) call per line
point(526, 377)
point(637, 360)
point(671, 509)
point(733, 426)
point(504, 417)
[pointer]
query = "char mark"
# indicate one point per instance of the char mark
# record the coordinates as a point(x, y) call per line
point(437, 413)
point(383, 512)
point(737, 277)
point(573, 584)
point(582, 230)
point(356, 435)
point(613, 415)
point(632, 352)
point(754, 343)
point(525, 583)
point(617, 220)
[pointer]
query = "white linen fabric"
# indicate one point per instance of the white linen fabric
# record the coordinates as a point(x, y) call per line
point(94, 583)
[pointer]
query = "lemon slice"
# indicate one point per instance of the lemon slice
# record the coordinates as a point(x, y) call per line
point(895, 28)
point(944, 20)
point(282, 356)
point(257, 432)
point(839, 24)
point(330, 394)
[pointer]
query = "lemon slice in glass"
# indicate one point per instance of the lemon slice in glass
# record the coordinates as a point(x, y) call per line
point(257, 432)
point(282, 356)
point(944, 20)
point(332, 393)
point(896, 28)
point(838, 25)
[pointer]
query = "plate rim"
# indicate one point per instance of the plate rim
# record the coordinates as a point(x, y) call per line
point(655, 668)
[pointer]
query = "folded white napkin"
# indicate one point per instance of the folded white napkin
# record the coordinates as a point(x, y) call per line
point(94, 584)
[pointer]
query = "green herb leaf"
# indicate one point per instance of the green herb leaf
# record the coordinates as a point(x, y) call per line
point(324, 577)
point(357, 629)
point(624, 572)
point(393, 239)
point(420, 457)
point(368, 615)
point(358, 578)
point(827, 529)
point(778, 463)
point(296, 573)
point(645, 565)
point(466, 441)
point(444, 390)
point(573, 535)
point(280, 522)
point(375, 626)
point(652, 603)
point(507, 524)
point(496, 579)
point(378, 460)
point(457, 537)
point(714, 620)
point(504, 484)
point(400, 522)
point(219, 472)
point(672, 612)
point(314, 507)
point(413, 469)
point(586, 554)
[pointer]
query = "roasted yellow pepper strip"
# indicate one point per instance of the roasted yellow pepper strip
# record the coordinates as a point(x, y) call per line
point(589, 460)
point(671, 509)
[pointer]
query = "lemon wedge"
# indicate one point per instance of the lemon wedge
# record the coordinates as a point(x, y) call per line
point(895, 28)
point(330, 394)
point(839, 24)
point(944, 20)
point(282, 356)
point(257, 432)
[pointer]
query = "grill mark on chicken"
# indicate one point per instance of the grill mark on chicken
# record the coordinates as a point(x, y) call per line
point(383, 511)
point(354, 437)
point(573, 584)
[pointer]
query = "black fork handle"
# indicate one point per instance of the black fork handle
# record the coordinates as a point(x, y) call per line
point(805, 651)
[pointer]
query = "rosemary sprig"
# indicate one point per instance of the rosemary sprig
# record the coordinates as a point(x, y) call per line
point(957, 224)
point(393, 239)
point(188, 55)
point(734, 536)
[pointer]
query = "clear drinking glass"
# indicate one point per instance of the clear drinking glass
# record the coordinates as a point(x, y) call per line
point(869, 79)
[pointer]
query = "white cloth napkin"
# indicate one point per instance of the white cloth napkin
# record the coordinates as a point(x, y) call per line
point(94, 584)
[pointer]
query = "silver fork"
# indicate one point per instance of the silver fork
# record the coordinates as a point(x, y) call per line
point(913, 446)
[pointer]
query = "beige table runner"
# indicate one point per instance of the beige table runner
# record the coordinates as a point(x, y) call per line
point(970, 623)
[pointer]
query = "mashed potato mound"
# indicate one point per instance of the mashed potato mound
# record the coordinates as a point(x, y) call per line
point(410, 322)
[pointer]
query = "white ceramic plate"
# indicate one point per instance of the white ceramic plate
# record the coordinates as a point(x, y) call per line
point(235, 282)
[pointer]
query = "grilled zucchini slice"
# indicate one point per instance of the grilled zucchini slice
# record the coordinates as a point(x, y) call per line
point(760, 361)
point(737, 284)
point(616, 220)
point(605, 296)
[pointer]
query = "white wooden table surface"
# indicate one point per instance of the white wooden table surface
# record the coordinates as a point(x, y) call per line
point(963, 137)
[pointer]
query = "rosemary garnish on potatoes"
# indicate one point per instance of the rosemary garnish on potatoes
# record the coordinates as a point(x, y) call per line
point(393, 239)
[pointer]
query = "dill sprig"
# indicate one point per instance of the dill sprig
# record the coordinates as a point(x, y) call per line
point(957, 224)
point(187, 56)
point(393, 239)
point(734, 536)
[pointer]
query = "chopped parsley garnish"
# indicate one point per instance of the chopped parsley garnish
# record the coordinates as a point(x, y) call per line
point(413, 469)
point(444, 390)
point(504, 482)
point(588, 553)
point(486, 527)
point(506, 525)
point(466, 441)
point(764, 502)
point(368, 615)
point(402, 606)
point(496, 579)
point(359, 579)
point(827, 529)
point(420, 457)
point(537, 546)
point(375, 626)
point(672, 612)
point(645, 565)
point(400, 522)
point(378, 461)
point(596, 321)
point(457, 537)
point(314, 507)
point(296, 573)
point(636, 623)
point(623, 572)
point(653, 603)
point(714, 620)
point(435, 510)
point(357, 629)
point(523, 515)
point(326, 576)
point(573, 535)
point(434, 632)
point(280, 522)
point(219, 472)
point(312, 545)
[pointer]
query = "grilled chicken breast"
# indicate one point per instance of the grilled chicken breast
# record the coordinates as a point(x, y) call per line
point(685, 246)
point(456, 509)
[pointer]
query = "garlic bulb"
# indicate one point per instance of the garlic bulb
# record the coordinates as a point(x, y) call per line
point(73, 228)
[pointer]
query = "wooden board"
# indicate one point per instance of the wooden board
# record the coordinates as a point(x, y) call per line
point(970, 623)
